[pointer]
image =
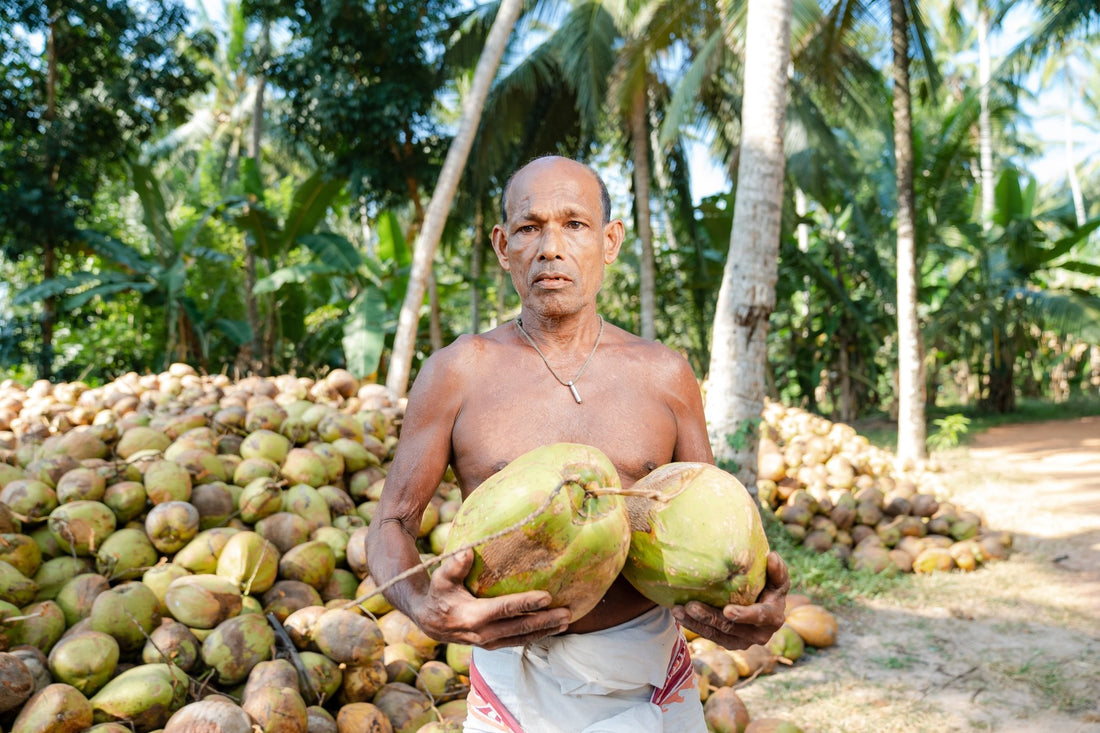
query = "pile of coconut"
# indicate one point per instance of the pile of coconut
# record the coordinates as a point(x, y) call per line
point(835, 492)
point(186, 552)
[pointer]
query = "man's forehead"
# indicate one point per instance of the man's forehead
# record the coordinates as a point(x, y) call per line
point(562, 187)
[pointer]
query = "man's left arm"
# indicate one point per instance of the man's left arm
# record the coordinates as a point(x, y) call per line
point(734, 626)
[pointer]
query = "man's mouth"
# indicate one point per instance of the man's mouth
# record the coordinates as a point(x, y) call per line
point(552, 279)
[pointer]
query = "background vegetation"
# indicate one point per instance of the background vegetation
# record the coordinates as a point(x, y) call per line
point(238, 192)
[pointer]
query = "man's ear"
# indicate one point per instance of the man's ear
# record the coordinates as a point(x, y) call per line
point(500, 246)
point(613, 235)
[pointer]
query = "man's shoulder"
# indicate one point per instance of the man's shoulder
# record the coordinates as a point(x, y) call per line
point(465, 352)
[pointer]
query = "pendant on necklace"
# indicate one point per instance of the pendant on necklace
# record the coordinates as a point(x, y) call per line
point(576, 394)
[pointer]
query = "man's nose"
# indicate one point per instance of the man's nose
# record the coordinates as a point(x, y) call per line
point(551, 244)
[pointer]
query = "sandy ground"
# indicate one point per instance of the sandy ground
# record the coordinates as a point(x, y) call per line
point(1013, 646)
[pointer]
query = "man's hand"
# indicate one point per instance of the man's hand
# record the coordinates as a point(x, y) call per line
point(739, 627)
point(452, 614)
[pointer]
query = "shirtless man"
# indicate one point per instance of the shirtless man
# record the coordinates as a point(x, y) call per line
point(559, 373)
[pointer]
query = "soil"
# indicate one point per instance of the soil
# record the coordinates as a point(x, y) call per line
point(1013, 646)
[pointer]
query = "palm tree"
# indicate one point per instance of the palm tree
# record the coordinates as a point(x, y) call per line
point(912, 430)
point(397, 376)
point(735, 390)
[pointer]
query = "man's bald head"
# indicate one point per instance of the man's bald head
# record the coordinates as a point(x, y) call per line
point(605, 198)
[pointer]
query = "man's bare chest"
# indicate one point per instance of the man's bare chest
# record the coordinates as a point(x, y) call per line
point(636, 431)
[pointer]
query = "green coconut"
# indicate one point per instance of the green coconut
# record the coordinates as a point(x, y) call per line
point(21, 552)
point(237, 645)
point(202, 601)
point(172, 642)
point(129, 612)
point(126, 554)
point(250, 561)
point(261, 497)
point(75, 598)
point(41, 625)
point(550, 520)
point(166, 480)
point(201, 554)
point(15, 587)
point(126, 499)
point(29, 498)
point(81, 483)
point(311, 562)
point(85, 660)
point(145, 696)
point(81, 526)
point(171, 525)
point(696, 535)
point(57, 571)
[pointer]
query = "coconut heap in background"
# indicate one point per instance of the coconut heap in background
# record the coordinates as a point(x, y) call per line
point(186, 552)
point(835, 492)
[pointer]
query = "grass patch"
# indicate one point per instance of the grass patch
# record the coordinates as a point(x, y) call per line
point(1052, 681)
point(893, 662)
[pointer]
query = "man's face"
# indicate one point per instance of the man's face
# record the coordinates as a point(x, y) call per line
point(554, 243)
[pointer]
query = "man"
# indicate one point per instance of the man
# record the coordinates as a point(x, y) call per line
point(558, 373)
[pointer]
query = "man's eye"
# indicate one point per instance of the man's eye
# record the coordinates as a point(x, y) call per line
point(575, 224)
point(526, 229)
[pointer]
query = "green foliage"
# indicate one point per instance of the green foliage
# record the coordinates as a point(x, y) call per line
point(949, 431)
point(121, 70)
point(158, 276)
point(357, 87)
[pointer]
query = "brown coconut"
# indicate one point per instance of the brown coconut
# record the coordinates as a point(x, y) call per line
point(358, 717)
point(814, 624)
point(57, 708)
point(725, 712)
point(209, 716)
point(16, 682)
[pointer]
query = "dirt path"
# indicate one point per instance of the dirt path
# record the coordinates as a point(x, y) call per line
point(1013, 647)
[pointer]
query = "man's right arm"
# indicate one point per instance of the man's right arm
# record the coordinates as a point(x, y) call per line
point(439, 603)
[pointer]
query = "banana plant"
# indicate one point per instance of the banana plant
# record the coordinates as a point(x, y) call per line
point(160, 275)
point(360, 293)
point(276, 315)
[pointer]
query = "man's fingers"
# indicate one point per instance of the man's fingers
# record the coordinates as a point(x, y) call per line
point(524, 619)
point(779, 578)
point(457, 567)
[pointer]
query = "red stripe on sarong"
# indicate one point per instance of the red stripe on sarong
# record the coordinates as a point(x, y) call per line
point(489, 705)
point(680, 675)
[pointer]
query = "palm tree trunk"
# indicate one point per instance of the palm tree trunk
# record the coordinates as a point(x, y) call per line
point(435, 319)
point(477, 266)
point(49, 244)
point(985, 126)
point(911, 426)
point(746, 298)
point(397, 376)
point(639, 134)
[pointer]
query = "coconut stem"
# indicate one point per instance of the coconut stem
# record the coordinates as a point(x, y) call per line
point(424, 565)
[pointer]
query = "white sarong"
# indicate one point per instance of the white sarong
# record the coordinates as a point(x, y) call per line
point(632, 678)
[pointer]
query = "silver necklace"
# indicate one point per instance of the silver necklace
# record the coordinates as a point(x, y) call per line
point(572, 383)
